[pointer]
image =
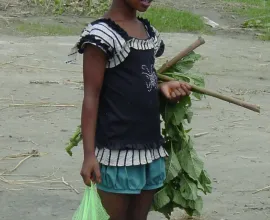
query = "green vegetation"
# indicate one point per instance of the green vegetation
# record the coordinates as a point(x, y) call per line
point(84, 7)
point(249, 2)
point(257, 13)
point(173, 20)
point(164, 19)
point(39, 29)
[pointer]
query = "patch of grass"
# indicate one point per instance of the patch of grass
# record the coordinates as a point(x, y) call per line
point(257, 13)
point(82, 7)
point(163, 18)
point(38, 29)
point(173, 20)
point(266, 36)
point(251, 8)
point(248, 2)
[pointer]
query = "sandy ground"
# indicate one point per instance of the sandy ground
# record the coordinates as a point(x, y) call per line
point(235, 151)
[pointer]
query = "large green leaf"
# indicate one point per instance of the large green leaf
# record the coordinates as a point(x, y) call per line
point(197, 79)
point(205, 182)
point(169, 112)
point(196, 204)
point(182, 77)
point(173, 132)
point(161, 198)
point(200, 186)
point(189, 115)
point(190, 162)
point(191, 57)
point(188, 188)
point(197, 95)
point(179, 199)
point(186, 63)
point(177, 112)
point(199, 204)
point(173, 167)
point(190, 211)
point(168, 209)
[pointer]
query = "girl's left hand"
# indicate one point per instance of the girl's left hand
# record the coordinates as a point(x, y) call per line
point(175, 90)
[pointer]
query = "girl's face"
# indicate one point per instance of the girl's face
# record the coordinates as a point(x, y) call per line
point(139, 5)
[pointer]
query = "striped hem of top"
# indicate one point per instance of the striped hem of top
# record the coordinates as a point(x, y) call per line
point(130, 157)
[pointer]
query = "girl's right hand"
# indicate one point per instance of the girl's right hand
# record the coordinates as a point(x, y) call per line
point(90, 170)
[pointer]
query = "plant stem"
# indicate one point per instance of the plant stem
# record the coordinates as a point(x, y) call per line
point(74, 140)
point(197, 89)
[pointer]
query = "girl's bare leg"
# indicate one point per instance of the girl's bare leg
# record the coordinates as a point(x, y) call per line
point(140, 205)
point(116, 205)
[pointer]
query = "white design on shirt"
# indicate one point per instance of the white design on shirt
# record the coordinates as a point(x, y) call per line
point(151, 76)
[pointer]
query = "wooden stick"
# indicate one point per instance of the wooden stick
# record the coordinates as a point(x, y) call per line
point(197, 89)
point(238, 102)
point(200, 41)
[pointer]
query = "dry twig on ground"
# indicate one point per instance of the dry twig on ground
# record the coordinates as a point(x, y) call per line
point(33, 153)
point(262, 189)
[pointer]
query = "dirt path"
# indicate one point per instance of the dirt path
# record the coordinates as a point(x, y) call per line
point(236, 150)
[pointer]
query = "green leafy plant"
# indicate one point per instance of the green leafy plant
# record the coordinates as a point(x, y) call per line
point(84, 7)
point(100, 7)
point(186, 176)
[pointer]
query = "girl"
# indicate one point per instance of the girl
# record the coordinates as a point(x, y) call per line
point(123, 152)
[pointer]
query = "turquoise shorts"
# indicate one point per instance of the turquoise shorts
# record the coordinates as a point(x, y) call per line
point(132, 179)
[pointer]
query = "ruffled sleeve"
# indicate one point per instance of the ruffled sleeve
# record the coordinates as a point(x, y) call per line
point(97, 35)
point(159, 44)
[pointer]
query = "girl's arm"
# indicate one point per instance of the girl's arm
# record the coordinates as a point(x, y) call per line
point(94, 63)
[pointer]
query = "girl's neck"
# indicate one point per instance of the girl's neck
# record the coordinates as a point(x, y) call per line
point(121, 11)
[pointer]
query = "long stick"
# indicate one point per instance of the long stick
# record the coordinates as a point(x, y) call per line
point(200, 41)
point(197, 89)
point(217, 95)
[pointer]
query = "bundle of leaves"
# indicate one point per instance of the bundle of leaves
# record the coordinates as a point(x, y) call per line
point(186, 176)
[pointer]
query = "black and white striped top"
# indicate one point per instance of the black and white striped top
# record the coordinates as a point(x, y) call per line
point(128, 125)
point(115, 41)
